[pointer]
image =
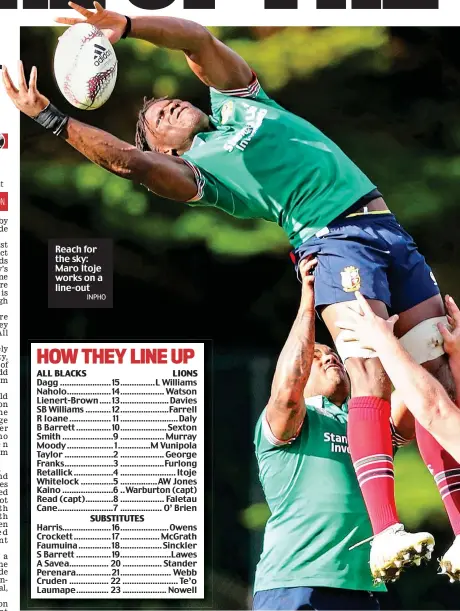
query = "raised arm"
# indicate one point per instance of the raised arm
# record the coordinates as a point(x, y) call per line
point(286, 407)
point(165, 175)
point(212, 61)
point(452, 342)
point(422, 393)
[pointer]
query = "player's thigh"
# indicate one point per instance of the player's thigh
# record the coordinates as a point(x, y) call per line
point(367, 376)
point(428, 310)
point(433, 307)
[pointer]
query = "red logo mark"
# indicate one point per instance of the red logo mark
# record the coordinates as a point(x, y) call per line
point(3, 141)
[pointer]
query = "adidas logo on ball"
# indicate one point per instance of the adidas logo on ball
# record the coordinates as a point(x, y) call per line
point(100, 55)
point(85, 66)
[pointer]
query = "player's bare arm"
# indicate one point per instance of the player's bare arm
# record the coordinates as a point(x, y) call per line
point(422, 393)
point(212, 61)
point(165, 175)
point(286, 407)
point(451, 338)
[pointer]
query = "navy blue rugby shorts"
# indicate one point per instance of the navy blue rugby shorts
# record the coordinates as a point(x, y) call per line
point(371, 253)
point(320, 599)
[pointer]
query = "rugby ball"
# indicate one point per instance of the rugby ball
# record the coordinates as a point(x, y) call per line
point(85, 66)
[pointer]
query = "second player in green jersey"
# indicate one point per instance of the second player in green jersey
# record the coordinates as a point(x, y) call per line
point(317, 510)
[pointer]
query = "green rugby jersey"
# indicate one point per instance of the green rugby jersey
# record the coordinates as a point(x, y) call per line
point(262, 162)
point(317, 509)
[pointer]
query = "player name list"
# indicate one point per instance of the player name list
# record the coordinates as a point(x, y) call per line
point(117, 471)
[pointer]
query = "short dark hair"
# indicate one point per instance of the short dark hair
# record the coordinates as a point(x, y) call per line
point(142, 125)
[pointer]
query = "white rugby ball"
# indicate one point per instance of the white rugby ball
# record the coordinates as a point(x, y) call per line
point(85, 66)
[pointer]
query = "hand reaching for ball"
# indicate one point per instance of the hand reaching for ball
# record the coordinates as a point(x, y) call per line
point(110, 23)
point(26, 96)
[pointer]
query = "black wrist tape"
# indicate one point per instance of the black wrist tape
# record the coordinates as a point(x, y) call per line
point(127, 27)
point(52, 119)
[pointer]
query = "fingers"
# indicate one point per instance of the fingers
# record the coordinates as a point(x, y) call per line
point(80, 9)
point(452, 309)
point(354, 309)
point(33, 80)
point(98, 7)
point(22, 78)
point(69, 20)
point(346, 325)
point(306, 266)
point(10, 88)
point(446, 334)
point(393, 319)
point(348, 336)
point(365, 307)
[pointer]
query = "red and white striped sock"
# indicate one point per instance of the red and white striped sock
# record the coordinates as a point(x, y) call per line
point(370, 443)
point(446, 473)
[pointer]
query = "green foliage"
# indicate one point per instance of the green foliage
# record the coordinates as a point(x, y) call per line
point(255, 516)
point(223, 237)
point(295, 53)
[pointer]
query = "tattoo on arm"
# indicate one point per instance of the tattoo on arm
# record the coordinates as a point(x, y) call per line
point(286, 407)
